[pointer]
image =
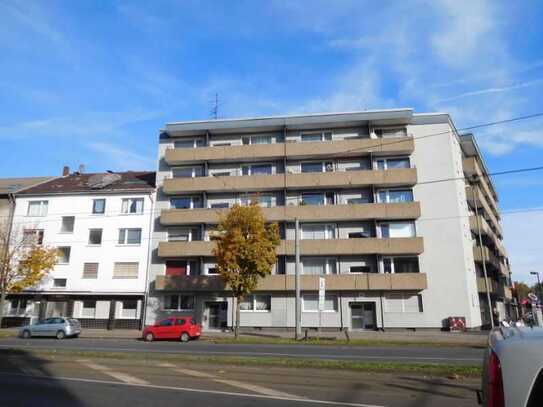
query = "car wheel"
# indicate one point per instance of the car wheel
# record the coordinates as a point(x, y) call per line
point(149, 337)
point(61, 335)
point(185, 337)
point(26, 334)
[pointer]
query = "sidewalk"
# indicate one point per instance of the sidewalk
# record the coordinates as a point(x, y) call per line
point(465, 338)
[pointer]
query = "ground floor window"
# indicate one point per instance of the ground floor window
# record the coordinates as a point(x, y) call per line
point(401, 264)
point(18, 306)
point(310, 303)
point(88, 309)
point(178, 302)
point(407, 303)
point(129, 309)
point(256, 303)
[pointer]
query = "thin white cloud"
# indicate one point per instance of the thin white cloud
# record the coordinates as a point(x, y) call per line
point(493, 90)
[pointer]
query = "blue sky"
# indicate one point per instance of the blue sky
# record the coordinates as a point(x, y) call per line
point(91, 82)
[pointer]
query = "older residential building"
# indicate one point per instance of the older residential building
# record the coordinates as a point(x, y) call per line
point(101, 225)
point(383, 207)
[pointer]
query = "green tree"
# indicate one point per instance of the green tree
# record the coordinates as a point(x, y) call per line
point(23, 262)
point(245, 250)
point(521, 290)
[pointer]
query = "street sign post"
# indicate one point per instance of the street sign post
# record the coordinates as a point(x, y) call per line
point(322, 296)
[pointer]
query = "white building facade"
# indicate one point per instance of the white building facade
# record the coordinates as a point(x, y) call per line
point(385, 218)
point(101, 225)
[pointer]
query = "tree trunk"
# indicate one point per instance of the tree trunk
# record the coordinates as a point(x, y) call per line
point(2, 301)
point(236, 329)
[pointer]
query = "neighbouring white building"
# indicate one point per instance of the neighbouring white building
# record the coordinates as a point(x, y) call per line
point(397, 212)
point(101, 225)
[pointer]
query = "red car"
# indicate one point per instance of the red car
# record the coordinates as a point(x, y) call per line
point(180, 328)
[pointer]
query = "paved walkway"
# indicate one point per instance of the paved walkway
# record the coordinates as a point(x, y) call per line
point(467, 338)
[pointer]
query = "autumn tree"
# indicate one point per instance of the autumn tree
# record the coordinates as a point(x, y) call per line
point(23, 262)
point(522, 290)
point(245, 250)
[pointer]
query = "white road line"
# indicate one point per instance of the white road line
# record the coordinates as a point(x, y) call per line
point(202, 391)
point(234, 353)
point(234, 383)
point(126, 378)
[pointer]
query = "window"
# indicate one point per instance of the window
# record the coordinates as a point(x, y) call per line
point(88, 309)
point(18, 306)
point(397, 229)
point(129, 236)
point(310, 303)
point(125, 270)
point(264, 200)
point(98, 206)
point(408, 303)
point(37, 208)
point(219, 205)
point(212, 270)
point(33, 236)
point(59, 283)
point(257, 139)
point(186, 202)
point(318, 266)
point(387, 133)
point(180, 321)
point(182, 234)
point(360, 269)
point(67, 225)
point(313, 199)
point(64, 255)
point(190, 143)
point(176, 268)
point(261, 303)
point(178, 302)
point(221, 174)
point(132, 205)
point(356, 197)
point(395, 195)
point(256, 169)
point(358, 235)
point(401, 264)
point(187, 172)
point(130, 309)
point(90, 270)
point(317, 136)
point(316, 231)
point(391, 163)
point(313, 167)
point(95, 237)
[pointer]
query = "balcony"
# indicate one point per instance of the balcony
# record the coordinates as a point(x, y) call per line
point(281, 283)
point(480, 253)
point(486, 230)
point(346, 212)
point(320, 180)
point(337, 247)
point(481, 286)
point(471, 168)
point(255, 152)
point(475, 197)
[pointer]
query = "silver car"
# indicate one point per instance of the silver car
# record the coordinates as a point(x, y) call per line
point(59, 328)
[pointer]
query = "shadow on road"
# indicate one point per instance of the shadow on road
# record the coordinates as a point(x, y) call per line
point(28, 381)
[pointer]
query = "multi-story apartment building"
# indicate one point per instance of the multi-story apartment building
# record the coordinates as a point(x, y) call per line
point(101, 225)
point(382, 203)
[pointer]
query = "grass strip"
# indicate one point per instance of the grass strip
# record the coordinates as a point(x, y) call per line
point(429, 369)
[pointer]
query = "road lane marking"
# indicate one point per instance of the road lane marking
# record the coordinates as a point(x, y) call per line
point(234, 383)
point(191, 390)
point(126, 378)
point(234, 353)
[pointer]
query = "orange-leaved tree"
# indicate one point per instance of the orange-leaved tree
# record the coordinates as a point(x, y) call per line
point(23, 262)
point(245, 250)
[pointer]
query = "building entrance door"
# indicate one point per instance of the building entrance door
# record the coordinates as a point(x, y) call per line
point(362, 315)
point(216, 315)
point(56, 309)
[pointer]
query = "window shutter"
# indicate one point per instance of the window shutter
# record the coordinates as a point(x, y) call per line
point(176, 268)
point(125, 270)
point(90, 270)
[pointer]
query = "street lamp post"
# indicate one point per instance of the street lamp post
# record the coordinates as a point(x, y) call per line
point(535, 273)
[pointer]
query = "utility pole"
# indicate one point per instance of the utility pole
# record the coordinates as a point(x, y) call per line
point(540, 289)
point(298, 309)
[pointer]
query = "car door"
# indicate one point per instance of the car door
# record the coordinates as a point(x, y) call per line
point(54, 325)
point(39, 327)
point(165, 329)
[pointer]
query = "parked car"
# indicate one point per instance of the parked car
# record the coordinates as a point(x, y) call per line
point(180, 328)
point(59, 328)
point(513, 368)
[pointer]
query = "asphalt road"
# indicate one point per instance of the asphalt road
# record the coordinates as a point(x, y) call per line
point(26, 379)
point(413, 354)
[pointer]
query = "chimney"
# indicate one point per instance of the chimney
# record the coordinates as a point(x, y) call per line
point(65, 171)
point(81, 168)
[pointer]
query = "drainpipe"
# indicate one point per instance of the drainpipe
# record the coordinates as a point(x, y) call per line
point(382, 312)
point(149, 260)
point(480, 238)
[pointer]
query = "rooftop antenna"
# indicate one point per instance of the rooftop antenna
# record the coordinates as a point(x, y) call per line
point(215, 109)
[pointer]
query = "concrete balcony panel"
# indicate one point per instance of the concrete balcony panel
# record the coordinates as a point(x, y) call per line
point(350, 179)
point(347, 212)
point(487, 231)
point(307, 247)
point(282, 283)
point(481, 286)
point(473, 169)
point(483, 253)
point(255, 152)
point(476, 198)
